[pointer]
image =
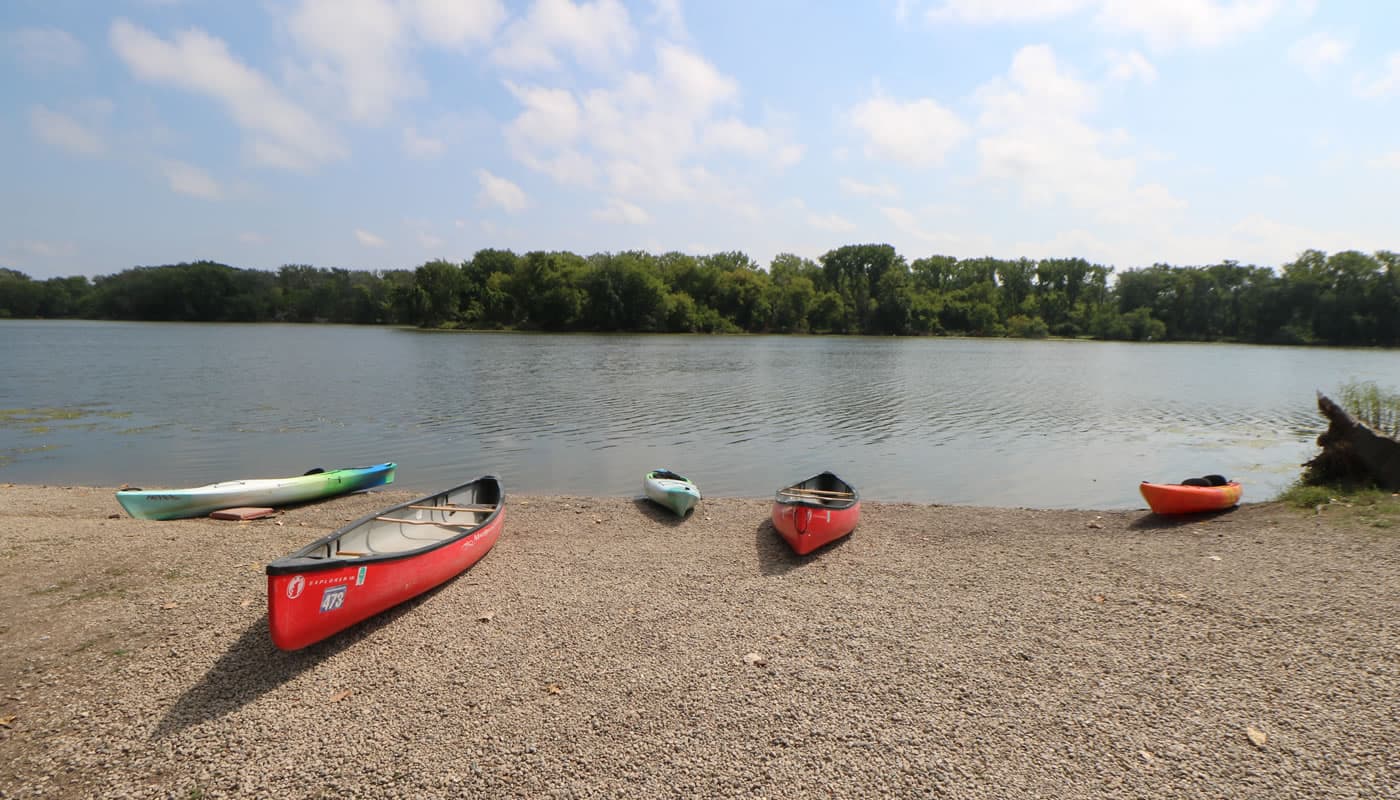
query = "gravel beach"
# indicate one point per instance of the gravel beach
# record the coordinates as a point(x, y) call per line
point(605, 649)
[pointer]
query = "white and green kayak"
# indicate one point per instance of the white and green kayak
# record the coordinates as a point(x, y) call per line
point(671, 490)
point(316, 484)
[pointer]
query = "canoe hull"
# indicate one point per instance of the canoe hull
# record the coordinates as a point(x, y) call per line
point(680, 496)
point(311, 597)
point(1173, 498)
point(808, 523)
point(163, 504)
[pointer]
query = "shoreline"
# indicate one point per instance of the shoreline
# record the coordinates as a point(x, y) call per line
point(605, 648)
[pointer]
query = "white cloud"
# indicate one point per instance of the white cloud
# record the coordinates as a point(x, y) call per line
point(736, 136)
point(282, 133)
point(1190, 22)
point(1034, 136)
point(834, 223)
point(419, 146)
point(595, 34)
point(908, 223)
point(1130, 65)
point(852, 186)
point(997, 11)
point(1283, 240)
point(919, 133)
point(189, 179)
point(1383, 85)
point(667, 14)
point(501, 193)
point(1163, 23)
point(788, 154)
point(64, 132)
point(551, 116)
point(456, 22)
point(357, 52)
point(644, 134)
point(1317, 52)
point(368, 239)
point(44, 49)
point(621, 211)
point(356, 49)
point(429, 241)
point(1389, 160)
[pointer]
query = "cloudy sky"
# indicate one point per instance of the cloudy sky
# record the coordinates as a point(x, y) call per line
point(376, 134)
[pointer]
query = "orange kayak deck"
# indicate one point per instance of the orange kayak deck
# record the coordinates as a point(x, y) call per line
point(1176, 498)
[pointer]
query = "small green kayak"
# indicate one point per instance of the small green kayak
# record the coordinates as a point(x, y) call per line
point(671, 490)
point(317, 484)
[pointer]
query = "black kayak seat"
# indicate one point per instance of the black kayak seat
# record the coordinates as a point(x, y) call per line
point(1208, 480)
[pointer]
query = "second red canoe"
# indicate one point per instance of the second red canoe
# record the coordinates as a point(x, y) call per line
point(815, 512)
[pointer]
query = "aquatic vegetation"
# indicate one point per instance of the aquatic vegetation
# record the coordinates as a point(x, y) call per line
point(7, 456)
point(35, 419)
point(1378, 408)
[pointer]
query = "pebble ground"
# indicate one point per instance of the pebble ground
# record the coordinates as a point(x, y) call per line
point(604, 649)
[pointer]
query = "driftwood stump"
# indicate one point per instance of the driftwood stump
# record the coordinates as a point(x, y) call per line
point(1352, 452)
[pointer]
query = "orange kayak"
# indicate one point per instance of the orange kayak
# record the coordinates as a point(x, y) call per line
point(1176, 498)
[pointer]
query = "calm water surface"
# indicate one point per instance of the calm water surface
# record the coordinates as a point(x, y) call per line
point(1049, 424)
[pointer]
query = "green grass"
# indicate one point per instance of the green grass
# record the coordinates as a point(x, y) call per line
point(1377, 508)
point(1378, 408)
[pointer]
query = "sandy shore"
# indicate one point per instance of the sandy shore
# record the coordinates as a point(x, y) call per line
point(604, 650)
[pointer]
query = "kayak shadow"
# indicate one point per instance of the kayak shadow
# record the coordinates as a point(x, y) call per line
point(253, 666)
point(1152, 521)
point(775, 557)
point(658, 514)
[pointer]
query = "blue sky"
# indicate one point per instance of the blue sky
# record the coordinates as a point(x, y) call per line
point(379, 134)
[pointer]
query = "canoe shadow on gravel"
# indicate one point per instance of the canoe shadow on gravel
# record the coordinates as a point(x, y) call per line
point(1151, 521)
point(252, 666)
point(776, 558)
point(658, 514)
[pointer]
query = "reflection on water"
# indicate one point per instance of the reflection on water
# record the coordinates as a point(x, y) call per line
point(965, 421)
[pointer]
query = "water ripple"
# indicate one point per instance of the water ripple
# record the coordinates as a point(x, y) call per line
point(1050, 424)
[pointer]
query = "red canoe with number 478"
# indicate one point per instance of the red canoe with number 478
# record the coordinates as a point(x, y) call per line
point(379, 561)
point(815, 512)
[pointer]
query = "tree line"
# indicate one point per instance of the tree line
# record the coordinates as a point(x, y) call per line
point(1346, 298)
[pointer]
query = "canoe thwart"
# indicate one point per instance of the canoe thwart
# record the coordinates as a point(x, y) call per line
point(403, 521)
point(473, 509)
point(818, 492)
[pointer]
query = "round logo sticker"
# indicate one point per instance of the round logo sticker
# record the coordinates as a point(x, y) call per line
point(294, 588)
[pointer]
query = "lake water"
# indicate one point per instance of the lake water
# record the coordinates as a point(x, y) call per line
point(1048, 424)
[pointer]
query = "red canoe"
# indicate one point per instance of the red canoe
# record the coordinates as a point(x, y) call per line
point(381, 560)
point(1177, 498)
point(815, 512)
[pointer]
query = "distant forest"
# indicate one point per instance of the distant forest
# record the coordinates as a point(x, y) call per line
point(1347, 298)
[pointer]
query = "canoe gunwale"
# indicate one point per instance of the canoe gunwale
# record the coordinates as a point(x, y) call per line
point(298, 562)
point(832, 504)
